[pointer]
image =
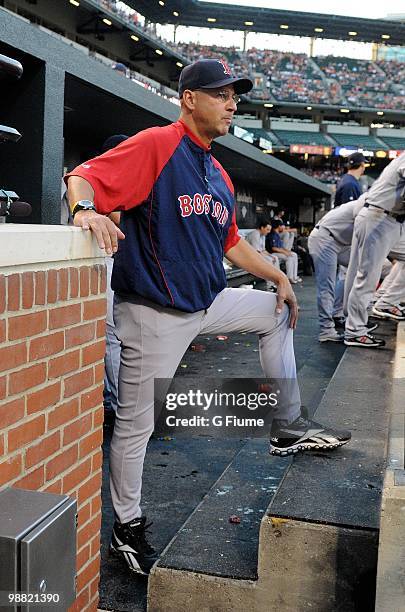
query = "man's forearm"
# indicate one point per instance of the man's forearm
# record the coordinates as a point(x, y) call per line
point(244, 256)
point(79, 189)
point(280, 250)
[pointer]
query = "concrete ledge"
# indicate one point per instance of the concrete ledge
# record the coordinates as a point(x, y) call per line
point(319, 541)
point(36, 244)
point(175, 590)
point(308, 566)
point(390, 595)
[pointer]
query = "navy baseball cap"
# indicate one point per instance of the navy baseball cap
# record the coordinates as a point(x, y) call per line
point(355, 159)
point(210, 74)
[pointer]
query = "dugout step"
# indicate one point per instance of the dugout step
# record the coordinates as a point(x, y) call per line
point(318, 539)
point(322, 525)
point(390, 595)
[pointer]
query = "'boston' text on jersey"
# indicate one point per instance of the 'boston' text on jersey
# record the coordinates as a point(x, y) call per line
point(200, 204)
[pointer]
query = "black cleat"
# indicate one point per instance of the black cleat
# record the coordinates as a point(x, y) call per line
point(304, 434)
point(128, 540)
point(393, 313)
point(339, 322)
point(366, 341)
point(371, 326)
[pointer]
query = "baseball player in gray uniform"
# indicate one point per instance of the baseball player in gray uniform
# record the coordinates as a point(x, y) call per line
point(329, 246)
point(257, 239)
point(378, 227)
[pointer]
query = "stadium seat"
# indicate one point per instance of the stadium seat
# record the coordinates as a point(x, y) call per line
point(394, 143)
point(288, 137)
point(359, 140)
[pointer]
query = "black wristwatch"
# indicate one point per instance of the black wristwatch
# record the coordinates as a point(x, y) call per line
point(83, 205)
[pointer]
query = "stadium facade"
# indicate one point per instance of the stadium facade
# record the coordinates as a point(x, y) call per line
point(75, 55)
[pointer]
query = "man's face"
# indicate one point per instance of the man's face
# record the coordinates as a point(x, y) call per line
point(362, 168)
point(265, 229)
point(280, 229)
point(214, 110)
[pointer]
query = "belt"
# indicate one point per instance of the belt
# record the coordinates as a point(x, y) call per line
point(399, 218)
point(329, 232)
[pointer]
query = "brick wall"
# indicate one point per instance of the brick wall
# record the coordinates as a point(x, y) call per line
point(52, 330)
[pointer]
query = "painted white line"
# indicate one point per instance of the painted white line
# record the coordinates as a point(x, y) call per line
point(399, 362)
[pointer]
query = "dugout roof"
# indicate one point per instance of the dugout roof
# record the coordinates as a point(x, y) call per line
point(233, 17)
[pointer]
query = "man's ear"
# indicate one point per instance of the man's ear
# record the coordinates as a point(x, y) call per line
point(189, 99)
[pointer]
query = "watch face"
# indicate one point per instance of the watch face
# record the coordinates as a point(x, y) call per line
point(83, 205)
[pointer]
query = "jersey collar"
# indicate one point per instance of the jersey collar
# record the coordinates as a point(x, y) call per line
point(193, 137)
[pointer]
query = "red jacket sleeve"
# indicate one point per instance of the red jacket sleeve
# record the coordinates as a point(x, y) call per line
point(124, 176)
point(233, 237)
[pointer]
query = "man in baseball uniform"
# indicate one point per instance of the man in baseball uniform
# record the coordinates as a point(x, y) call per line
point(348, 187)
point(274, 245)
point(178, 220)
point(288, 234)
point(378, 227)
point(329, 246)
point(257, 239)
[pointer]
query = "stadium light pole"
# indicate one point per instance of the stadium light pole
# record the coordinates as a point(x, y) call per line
point(245, 33)
point(311, 46)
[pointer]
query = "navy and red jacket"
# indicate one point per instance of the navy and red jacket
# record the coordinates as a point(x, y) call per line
point(178, 216)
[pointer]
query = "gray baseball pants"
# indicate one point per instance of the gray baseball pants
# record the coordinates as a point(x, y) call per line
point(291, 264)
point(274, 262)
point(375, 234)
point(154, 339)
point(287, 240)
point(326, 254)
point(340, 288)
point(112, 345)
point(392, 290)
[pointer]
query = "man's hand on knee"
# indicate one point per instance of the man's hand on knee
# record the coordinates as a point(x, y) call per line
point(285, 294)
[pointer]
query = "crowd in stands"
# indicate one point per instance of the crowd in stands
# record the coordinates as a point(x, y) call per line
point(149, 84)
point(294, 77)
point(324, 175)
point(121, 10)
point(289, 76)
point(361, 83)
point(396, 73)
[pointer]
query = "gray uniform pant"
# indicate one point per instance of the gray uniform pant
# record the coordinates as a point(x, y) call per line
point(340, 288)
point(392, 290)
point(112, 345)
point(154, 340)
point(291, 264)
point(287, 239)
point(274, 262)
point(327, 254)
point(375, 233)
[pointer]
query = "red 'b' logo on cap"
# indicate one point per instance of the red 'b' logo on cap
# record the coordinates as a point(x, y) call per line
point(226, 68)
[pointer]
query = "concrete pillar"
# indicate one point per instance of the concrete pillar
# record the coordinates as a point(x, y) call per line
point(33, 166)
point(311, 46)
